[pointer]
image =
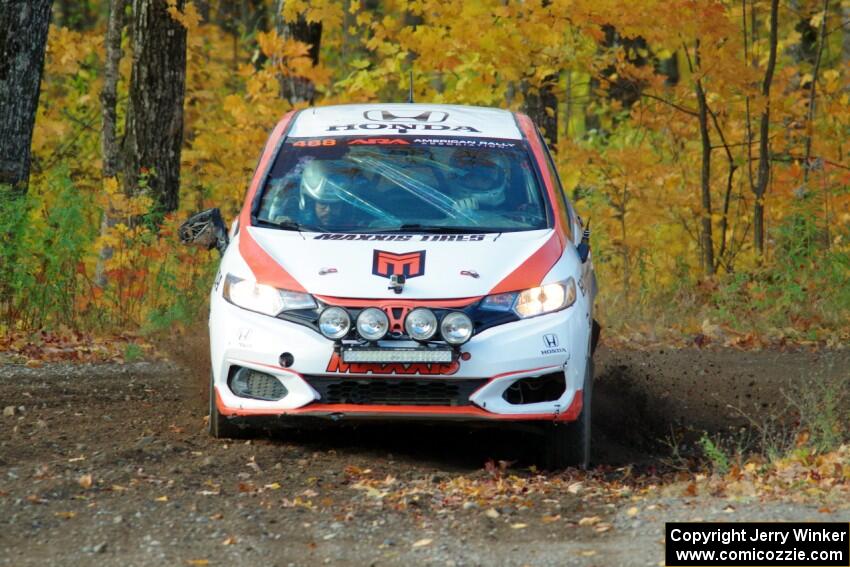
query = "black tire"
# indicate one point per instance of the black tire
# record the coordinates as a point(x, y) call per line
point(219, 426)
point(595, 332)
point(568, 444)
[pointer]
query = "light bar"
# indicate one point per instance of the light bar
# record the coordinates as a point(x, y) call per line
point(397, 355)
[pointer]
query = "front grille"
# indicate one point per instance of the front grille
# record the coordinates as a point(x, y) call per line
point(395, 392)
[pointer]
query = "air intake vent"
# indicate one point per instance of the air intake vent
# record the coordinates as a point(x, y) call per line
point(403, 392)
point(248, 383)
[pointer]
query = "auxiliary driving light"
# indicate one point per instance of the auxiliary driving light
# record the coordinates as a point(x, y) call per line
point(372, 324)
point(456, 328)
point(421, 324)
point(334, 322)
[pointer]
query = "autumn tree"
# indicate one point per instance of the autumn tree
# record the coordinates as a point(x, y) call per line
point(23, 35)
point(153, 139)
point(297, 88)
point(760, 186)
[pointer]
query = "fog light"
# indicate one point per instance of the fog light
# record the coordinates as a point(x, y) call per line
point(372, 324)
point(248, 383)
point(421, 324)
point(456, 328)
point(334, 322)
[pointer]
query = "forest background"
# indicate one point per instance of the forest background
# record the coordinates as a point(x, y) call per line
point(705, 140)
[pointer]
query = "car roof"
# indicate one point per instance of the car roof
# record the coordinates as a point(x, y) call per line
point(405, 119)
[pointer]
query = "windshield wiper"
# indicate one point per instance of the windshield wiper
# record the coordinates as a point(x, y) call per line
point(416, 227)
point(284, 225)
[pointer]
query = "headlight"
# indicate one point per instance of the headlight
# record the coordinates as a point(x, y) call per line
point(334, 322)
point(262, 298)
point(534, 301)
point(372, 324)
point(421, 324)
point(456, 328)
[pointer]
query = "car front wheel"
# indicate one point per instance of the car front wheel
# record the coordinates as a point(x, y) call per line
point(568, 444)
point(219, 426)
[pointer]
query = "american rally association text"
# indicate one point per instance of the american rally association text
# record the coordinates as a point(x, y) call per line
point(755, 534)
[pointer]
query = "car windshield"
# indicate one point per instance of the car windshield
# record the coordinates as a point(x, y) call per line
point(402, 184)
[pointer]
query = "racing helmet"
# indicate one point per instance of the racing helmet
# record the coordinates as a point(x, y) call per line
point(318, 184)
point(481, 176)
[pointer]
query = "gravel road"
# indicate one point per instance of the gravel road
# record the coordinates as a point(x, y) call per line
point(111, 465)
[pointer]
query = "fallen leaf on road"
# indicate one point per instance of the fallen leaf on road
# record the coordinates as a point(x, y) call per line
point(198, 561)
point(575, 487)
point(423, 543)
point(66, 515)
point(229, 541)
point(492, 513)
point(85, 481)
point(519, 526)
point(550, 519)
point(273, 486)
point(588, 553)
point(632, 511)
point(601, 528)
point(589, 521)
point(162, 499)
point(33, 363)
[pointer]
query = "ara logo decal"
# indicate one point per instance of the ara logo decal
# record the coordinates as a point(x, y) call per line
point(337, 365)
point(378, 142)
point(408, 264)
point(407, 116)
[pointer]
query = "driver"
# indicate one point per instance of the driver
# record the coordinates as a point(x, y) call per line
point(481, 180)
point(321, 195)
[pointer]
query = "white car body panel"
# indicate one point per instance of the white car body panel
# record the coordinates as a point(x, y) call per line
point(493, 257)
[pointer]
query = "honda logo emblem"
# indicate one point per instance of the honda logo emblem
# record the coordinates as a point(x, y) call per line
point(551, 340)
point(430, 116)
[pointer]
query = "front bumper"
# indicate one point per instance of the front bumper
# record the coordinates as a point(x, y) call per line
point(499, 357)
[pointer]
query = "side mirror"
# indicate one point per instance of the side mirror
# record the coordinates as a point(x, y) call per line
point(583, 247)
point(205, 229)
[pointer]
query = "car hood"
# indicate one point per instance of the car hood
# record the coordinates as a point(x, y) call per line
point(437, 266)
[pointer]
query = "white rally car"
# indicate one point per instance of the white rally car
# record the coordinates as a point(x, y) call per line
point(404, 261)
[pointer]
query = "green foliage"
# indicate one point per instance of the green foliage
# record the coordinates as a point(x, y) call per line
point(43, 252)
point(715, 454)
point(133, 352)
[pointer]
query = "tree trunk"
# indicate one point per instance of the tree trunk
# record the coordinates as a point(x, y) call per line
point(154, 131)
point(810, 118)
point(298, 89)
point(845, 37)
point(764, 133)
point(109, 95)
point(23, 36)
point(706, 236)
point(110, 149)
point(536, 104)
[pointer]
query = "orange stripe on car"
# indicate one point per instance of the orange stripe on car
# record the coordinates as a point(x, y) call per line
point(266, 269)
